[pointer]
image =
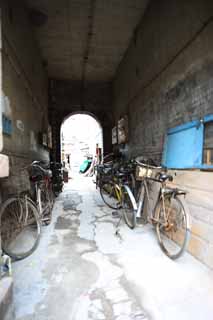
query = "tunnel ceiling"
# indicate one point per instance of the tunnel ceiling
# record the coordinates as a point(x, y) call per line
point(86, 39)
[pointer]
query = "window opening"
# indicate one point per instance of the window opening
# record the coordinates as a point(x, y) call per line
point(208, 144)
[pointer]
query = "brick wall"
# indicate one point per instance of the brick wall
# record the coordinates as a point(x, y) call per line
point(166, 79)
point(25, 91)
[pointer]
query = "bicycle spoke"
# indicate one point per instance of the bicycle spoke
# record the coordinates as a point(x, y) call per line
point(173, 231)
point(20, 228)
point(111, 195)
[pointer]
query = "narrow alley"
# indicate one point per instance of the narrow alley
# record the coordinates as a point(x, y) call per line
point(82, 270)
point(119, 92)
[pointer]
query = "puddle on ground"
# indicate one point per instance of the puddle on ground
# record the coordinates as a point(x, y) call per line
point(71, 202)
point(63, 223)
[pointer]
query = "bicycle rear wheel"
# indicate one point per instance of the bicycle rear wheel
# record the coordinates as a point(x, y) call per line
point(20, 228)
point(173, 227)
point(111, 195)
point(129, 207)
point(45, 204)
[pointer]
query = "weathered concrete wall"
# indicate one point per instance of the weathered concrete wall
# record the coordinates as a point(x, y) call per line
point(166, 79)
point(67, 97)
point(25, 88)
point(201, 210)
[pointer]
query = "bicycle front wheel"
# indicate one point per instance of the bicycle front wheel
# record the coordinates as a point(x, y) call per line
point(173, 228)
point(20, 228)
point(129, 207)
point(111, 195)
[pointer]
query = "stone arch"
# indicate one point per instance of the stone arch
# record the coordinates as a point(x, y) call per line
point(66, 98)
point(58, 118)
point(72, 113)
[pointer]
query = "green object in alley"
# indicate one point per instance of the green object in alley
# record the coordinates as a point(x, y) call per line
point(85, 165)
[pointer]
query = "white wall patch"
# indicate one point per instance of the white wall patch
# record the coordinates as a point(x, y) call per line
point(33, 143)
point(20, 125)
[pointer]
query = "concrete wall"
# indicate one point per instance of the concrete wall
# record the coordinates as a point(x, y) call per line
point(166, 79)
point(199, 198)
point(25, 89)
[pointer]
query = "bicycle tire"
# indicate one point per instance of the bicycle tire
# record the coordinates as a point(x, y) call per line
point(51, 197)
point(56, 193)
point(19, 222)
point(129, 207)
point(46, 208)
point(109, 193)
point(175, 245)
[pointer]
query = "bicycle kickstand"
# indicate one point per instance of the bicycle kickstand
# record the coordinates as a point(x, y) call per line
point(117, 231)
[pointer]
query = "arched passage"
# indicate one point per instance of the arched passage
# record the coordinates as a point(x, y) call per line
point(81, 137)
point(65, 99)
point(59, 116)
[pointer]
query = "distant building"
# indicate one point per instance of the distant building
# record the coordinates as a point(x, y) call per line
point(79, 136)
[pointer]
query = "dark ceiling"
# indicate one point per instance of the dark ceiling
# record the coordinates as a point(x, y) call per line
point(86, 39)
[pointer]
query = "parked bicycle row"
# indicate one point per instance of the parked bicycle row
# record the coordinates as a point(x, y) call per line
point(23, 214)
point(143, 192)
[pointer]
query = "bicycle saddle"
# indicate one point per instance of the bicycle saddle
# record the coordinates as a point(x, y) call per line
point(120, 174)
point(104, 166)
point(126, 171)
point(43, 164)
point(164, 177)
point(100, 166)
point(38, 172)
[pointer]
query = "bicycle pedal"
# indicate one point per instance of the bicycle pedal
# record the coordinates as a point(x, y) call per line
point(46, 222)
point(115, 214)
point(140, 221)
point(153, 221)
point(46, 219)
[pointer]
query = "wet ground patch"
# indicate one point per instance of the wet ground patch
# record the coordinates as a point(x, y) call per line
point(71, 201)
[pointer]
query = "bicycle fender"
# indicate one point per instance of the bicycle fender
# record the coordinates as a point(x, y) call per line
point(127, 188)
point(186, 208)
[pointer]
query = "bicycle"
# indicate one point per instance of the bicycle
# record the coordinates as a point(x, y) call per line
point(40, 177)
point(114, 184)
point(170, 215)
point(20, 226)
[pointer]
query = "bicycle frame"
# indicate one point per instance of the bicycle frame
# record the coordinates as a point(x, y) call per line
point(38, 197)
point(144, 193)
point(118, 192)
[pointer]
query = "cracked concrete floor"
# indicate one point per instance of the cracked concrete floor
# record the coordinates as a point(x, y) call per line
point(81, 270)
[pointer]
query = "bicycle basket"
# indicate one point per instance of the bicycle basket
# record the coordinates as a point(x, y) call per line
point(144, 172)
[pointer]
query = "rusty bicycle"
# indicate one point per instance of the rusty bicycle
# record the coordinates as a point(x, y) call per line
point(170, 214)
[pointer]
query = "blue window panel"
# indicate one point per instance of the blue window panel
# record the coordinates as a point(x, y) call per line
point(183, 148)
point(7, 125)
